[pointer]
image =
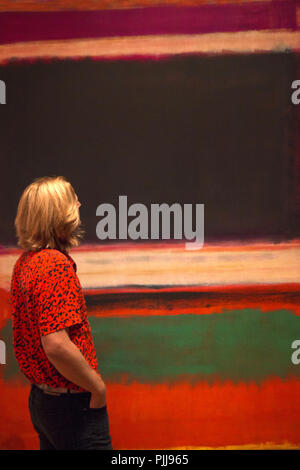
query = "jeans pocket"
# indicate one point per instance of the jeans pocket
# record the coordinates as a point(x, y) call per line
point(92, 427)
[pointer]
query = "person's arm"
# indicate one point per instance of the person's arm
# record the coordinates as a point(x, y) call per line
point(70, 363)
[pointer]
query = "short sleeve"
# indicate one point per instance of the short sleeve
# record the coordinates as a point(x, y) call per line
point(58, 299)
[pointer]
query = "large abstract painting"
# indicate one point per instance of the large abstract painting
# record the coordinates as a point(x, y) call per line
point(166, 102)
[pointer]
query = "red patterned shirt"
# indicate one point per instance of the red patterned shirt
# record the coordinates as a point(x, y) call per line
point(46, 296)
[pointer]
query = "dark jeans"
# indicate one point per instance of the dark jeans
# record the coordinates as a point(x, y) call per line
point(66, 422)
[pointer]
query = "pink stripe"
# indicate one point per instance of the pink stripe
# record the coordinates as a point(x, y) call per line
point(35, 26)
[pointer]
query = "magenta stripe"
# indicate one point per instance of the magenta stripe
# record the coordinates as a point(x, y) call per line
point(35, 26)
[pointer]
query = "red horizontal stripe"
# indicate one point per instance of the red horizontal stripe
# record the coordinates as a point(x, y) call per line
point(202, 415)
point(212, 299)
point(143, 416)
point(55, 5)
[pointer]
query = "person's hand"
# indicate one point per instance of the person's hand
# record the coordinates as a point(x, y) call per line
point(98, 399)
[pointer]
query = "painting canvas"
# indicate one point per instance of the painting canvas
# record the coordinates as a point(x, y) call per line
point(166, 102)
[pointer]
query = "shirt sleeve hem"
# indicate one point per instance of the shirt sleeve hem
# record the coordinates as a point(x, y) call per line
point(44, 331)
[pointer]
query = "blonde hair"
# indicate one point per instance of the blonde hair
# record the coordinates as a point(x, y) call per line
point(48, 216)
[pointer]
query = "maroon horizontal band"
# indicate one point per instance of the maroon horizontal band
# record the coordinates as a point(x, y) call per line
point(37, 26)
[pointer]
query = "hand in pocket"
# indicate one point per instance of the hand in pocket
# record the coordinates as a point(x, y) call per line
point(97, 401)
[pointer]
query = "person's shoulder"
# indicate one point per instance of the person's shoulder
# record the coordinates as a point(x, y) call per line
point(19, 262)
point(20, 259)
point(34, 264)
point(48, 259)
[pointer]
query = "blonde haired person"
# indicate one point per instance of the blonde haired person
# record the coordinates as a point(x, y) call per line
point(52, 337)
